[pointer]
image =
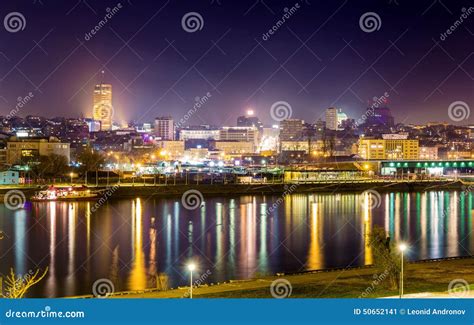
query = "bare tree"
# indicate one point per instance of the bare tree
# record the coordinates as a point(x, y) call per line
point(17, 285)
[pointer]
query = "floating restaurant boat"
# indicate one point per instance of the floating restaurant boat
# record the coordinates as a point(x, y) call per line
point(64, 194)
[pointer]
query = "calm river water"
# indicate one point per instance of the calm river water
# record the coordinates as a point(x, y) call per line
point(143, 243)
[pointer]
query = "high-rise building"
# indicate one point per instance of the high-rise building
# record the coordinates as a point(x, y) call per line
point(331, 118)
point(335, 119)
point(379, 116)
point(291, 129)
point(103, 110)
point(164, 128)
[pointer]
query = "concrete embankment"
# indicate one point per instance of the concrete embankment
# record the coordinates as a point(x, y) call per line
point(129, 190)
point(279, 189)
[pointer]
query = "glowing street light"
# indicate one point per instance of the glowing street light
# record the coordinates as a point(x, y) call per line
point(402, 247)
point(191, 268)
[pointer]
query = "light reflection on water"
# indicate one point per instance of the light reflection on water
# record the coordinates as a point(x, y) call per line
point(145, 243)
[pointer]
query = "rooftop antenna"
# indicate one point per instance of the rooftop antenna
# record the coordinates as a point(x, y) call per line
point(102, 73)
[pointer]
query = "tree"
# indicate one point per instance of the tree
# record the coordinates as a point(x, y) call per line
point(17, 285)
point(52, 165)
point(386, 256)
point(90, 160)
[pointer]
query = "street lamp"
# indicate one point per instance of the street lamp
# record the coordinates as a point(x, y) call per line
point(402, 247)
point(71, 174)
point(191, 268)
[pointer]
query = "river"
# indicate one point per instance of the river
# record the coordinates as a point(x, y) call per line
point(146, 242)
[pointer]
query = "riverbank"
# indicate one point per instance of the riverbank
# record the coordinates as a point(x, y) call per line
point(170, 190)
point(422, 279)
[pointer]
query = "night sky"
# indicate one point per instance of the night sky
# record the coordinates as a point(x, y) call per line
point(319, 57)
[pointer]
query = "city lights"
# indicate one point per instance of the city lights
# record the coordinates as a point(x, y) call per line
point(191, 268)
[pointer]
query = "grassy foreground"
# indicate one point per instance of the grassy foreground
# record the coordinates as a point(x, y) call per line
point(432, 276)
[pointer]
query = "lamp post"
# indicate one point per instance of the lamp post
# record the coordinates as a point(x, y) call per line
point(402, 247)
point(191, 268)
point(71, 174)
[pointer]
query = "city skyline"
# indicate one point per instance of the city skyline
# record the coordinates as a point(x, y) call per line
point(314, 60)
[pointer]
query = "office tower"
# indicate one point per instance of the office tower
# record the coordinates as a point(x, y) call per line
point(335, 119)
point(379, 116)
point(103, 110)
point(291, 129)
point(164, 127)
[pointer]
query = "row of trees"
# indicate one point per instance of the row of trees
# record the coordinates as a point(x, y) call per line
point(57, 165)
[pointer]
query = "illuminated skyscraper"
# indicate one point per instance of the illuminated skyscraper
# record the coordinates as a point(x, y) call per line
point(334, 118)
point(103, 110)
point(164, 127)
